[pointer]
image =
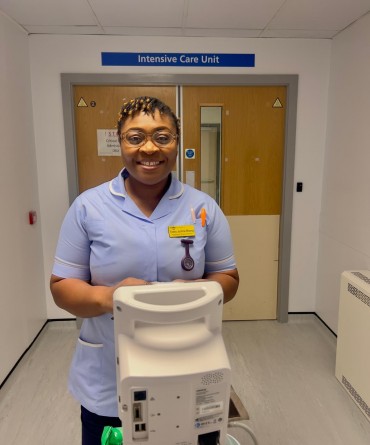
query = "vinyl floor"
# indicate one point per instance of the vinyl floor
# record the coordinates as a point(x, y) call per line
point(282, 372)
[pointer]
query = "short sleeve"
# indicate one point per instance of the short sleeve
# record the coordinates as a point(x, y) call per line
point(219, 248)
point(72, 257)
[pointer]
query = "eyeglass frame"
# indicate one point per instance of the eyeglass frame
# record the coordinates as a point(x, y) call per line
point(122, 137)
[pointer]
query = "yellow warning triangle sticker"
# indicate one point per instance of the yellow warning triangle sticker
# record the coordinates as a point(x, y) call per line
point(82, 103)
point(277, 103)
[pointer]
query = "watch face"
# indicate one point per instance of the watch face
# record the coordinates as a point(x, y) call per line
point(187, 263)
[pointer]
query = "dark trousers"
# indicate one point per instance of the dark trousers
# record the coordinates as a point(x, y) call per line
point(93, 425)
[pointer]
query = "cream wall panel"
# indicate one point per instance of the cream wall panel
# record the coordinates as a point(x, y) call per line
point(256, 244)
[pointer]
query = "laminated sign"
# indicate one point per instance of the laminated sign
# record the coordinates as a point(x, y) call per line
point(108, 143)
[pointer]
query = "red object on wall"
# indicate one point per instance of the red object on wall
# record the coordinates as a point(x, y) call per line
point(32, 217)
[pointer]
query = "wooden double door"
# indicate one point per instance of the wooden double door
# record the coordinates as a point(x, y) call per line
point(248, 166)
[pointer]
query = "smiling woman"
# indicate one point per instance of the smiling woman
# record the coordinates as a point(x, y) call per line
point(118, 234)
point(148, 131)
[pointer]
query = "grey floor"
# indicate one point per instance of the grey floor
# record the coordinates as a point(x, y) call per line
point(283, 373)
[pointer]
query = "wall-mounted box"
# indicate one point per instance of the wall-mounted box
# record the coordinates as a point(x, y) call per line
point(353, 344)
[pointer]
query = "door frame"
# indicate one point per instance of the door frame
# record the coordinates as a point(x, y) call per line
point(69, 80)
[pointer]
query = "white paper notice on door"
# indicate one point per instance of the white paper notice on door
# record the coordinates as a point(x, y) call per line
point(190, 178)
point(108, 143)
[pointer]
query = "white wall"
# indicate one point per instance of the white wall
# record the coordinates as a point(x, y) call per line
point(22, 298)
point(52, 55)
point(345, 219)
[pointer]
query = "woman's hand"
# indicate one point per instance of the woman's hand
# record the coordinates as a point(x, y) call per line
point(131, 281)
point(84, 300)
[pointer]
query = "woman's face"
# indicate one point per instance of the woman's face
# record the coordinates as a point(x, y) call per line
point(147, 162)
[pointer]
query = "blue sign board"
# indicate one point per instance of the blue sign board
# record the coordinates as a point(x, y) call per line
point(177, 59)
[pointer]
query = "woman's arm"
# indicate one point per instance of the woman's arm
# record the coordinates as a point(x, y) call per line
point(84, 300)
point(229, 281)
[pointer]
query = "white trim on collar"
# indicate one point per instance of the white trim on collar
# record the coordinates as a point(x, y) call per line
point(111, 189)
point(124, 195)
point(179, 193)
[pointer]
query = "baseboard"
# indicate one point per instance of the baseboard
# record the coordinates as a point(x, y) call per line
point(29, 347)
point(314, 313)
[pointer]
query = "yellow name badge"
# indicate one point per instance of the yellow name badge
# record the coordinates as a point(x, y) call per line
point(181, 231)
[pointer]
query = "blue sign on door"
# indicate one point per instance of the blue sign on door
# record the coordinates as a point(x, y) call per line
point(190, 153)
point(177, 59)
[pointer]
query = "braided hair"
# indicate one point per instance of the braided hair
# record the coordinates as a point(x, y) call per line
point(147, 105)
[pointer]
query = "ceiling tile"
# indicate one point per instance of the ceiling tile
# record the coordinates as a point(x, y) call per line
point(231, 14)
point(298, 33)
point(193, 18)
point(49, 12)
point(139, 13)
point(202, 32)
point(132, 31)
point(68, 30)
point(319, 14)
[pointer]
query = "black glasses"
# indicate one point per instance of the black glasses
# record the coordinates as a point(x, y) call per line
point(137, 138)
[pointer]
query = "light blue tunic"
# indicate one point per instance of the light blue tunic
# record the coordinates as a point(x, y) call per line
point(106, 238)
